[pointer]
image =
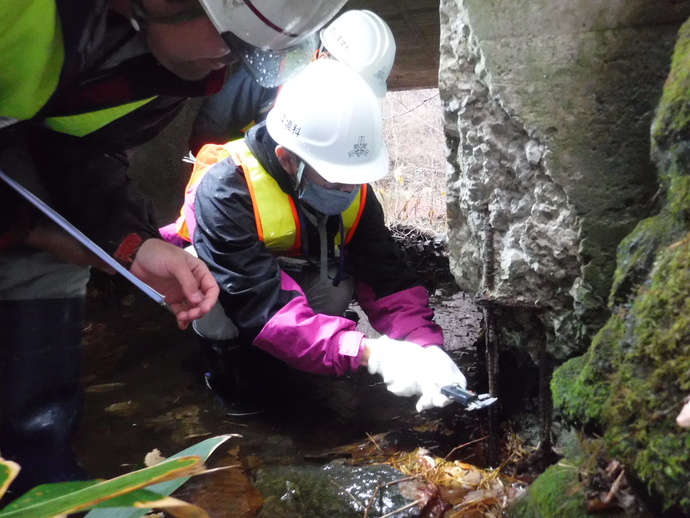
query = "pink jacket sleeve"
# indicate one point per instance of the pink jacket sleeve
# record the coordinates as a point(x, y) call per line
point(404, 315)
point(318, 343)
point(169, 232)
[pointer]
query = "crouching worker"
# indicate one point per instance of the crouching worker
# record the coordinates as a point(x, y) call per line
point(291, 231)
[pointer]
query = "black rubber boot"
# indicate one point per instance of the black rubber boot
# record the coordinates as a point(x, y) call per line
point(40, 392)
point(234, 376)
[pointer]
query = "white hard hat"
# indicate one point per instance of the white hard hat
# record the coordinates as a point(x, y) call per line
point(364, 42)
point(330, 118)
point(274, 38)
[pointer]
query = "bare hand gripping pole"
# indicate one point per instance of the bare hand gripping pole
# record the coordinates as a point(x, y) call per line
point(79, 236)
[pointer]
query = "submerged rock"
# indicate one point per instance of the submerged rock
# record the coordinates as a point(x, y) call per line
point(332, 491)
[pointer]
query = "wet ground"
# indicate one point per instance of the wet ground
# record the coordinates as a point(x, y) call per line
point(145, 390)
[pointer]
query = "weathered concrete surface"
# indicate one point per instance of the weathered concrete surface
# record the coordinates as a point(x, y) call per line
point(548, 106)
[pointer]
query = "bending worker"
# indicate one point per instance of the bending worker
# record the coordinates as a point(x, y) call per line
point(81, 84)
point(290, 229)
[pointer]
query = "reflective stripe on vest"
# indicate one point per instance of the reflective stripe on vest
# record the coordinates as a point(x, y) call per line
point(277, 220)
point(85, 123)
point(275, 213)
point(32, 55)
point(353, 214)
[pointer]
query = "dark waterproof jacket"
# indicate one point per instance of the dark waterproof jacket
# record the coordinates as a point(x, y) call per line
point(268, 306)
point(230, 113)
point(97, 64)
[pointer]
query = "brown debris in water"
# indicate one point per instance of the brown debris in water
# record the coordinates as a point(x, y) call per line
point(465, 490)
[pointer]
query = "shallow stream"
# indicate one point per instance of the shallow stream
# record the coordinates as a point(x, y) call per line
point(145, 390)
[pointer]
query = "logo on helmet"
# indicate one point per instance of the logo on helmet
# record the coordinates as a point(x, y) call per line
point(360, 148)
point(290, 126)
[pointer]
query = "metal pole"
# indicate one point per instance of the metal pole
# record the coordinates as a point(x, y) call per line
point(491, 340)
point(545, 397)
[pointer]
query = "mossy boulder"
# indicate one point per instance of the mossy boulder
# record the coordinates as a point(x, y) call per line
point(652, 381)
point(581, 386)
point(672, 122)
point(637, 252)
point(555, 494)
point(632, 382)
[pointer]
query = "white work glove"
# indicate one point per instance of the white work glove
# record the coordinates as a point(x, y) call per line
point(397, 362)
point(439, 370)
point(409, 369)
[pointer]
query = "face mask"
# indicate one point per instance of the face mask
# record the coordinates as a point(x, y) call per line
point(326, 201)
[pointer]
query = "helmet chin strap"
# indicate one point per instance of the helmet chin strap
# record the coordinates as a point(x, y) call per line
point(139, 15)
point(300, 172)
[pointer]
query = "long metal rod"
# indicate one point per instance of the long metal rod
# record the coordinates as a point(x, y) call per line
point(545, 397)
point(491, 340)
point(489, 313)
point(79, 236)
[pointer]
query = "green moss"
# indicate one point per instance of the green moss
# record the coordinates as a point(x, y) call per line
point(636, 253)
point(582, 385)
point(634, 378)
point(678, 196)
point(653, 380)
point(555, 494)
point(673, 114)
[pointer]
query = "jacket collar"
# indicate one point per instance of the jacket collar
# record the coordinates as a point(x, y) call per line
point(262, 146)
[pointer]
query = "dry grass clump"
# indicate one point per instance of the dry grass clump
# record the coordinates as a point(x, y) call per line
point(414, 192)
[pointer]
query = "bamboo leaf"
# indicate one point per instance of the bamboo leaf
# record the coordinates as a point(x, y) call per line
point(203, 449)
point(145, 499)
point(50, 499)
point(8, 472)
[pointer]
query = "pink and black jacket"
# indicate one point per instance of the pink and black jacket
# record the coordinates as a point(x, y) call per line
point(269, 307)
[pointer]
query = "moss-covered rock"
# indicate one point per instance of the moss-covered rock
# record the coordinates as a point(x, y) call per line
point(653, 380)
point(637, 252)
point(582, 385)
point(633, 380)
point(673, 114)
point(331, 491)
point(555, 494)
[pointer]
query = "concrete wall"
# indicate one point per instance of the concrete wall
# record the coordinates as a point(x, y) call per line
point(548, 106)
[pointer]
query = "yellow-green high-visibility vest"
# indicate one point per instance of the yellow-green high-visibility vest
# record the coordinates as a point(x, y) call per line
point(31, 60)
point(275, 213)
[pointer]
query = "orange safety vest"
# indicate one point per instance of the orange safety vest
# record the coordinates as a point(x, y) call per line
point(275, 213)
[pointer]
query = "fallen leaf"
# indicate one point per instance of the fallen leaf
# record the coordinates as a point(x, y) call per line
point(153, 457)
point(104, 387)
point(123, 409)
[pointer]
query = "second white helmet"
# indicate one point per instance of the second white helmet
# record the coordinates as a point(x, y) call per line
point(274, 38)
point(329, 116)
point(365, 43)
